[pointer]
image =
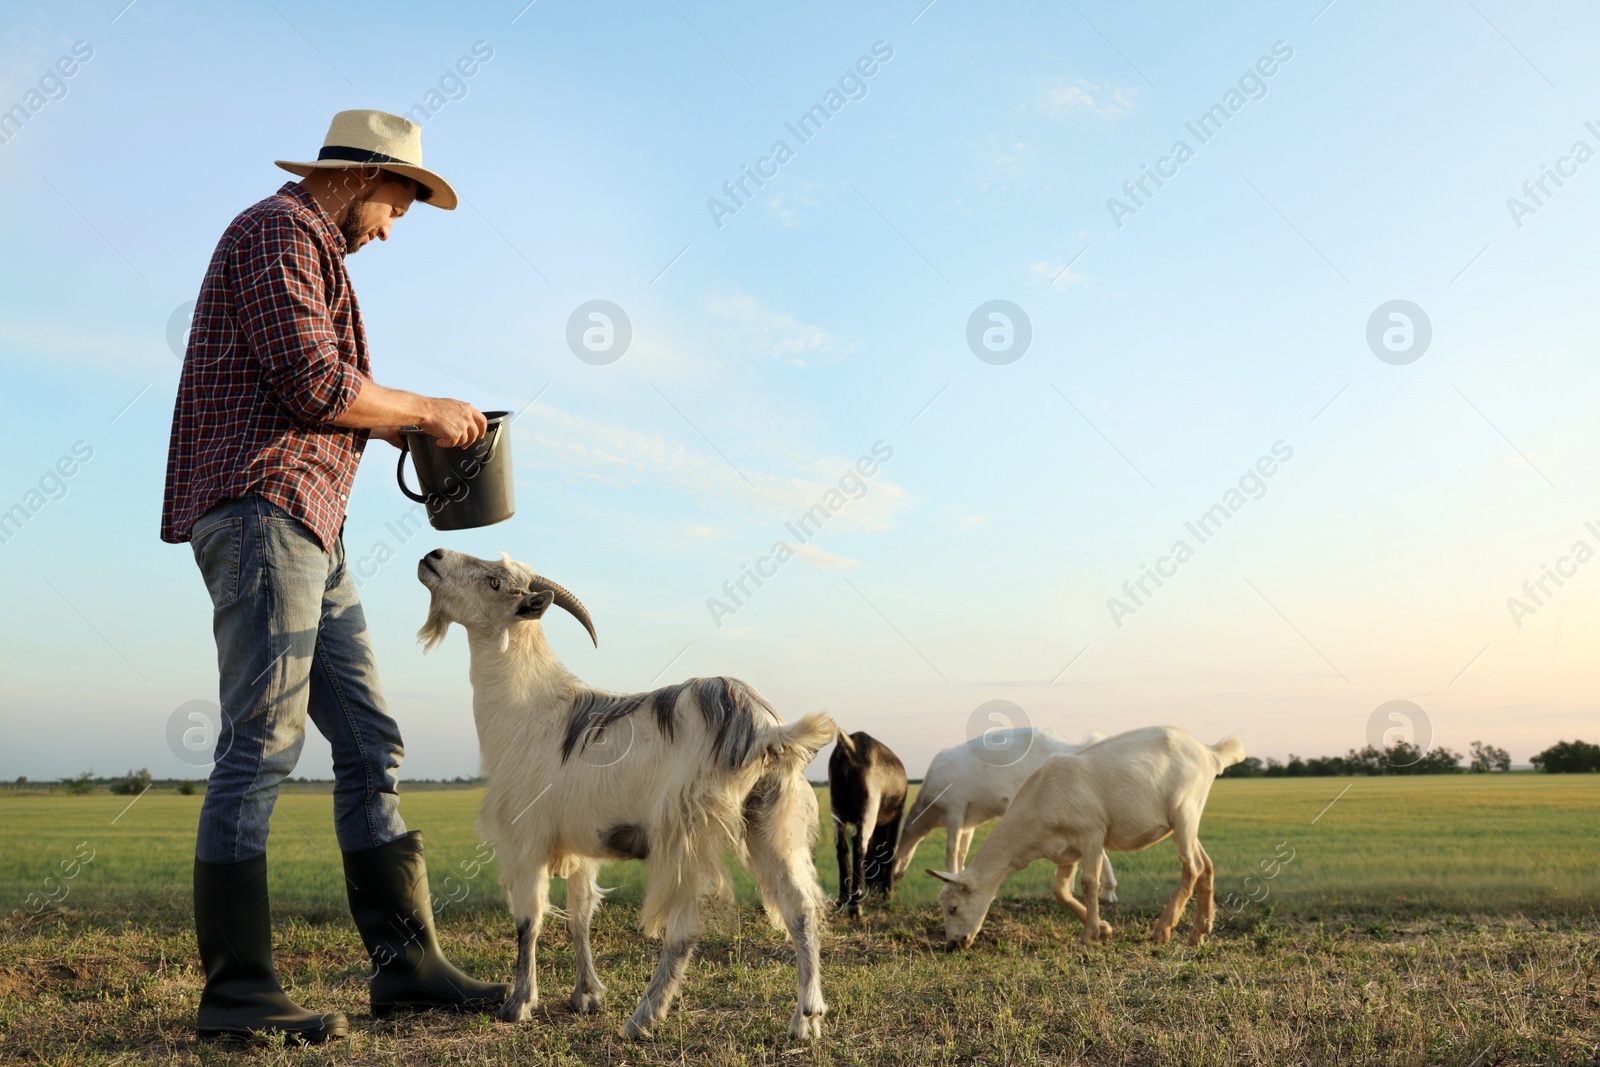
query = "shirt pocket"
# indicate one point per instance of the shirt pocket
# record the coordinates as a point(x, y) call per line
point(217, 549)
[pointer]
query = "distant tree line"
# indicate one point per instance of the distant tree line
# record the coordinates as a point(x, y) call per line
point(1563, 757)
point(1405, 758)
point(137, 782)
point(131, 784)
point(1399, 758)
point(1569, 757)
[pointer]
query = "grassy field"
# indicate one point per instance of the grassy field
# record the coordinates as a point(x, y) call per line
point(1448, 920)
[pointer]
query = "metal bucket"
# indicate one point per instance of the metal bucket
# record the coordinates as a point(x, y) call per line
point(462, 488)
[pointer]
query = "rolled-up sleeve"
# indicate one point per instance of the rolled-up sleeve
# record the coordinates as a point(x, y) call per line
point(284, 317)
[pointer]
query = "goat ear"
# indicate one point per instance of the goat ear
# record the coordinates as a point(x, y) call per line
point(534, 605)
point(952, 879)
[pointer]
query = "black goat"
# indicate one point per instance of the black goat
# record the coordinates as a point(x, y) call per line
point(867, 790)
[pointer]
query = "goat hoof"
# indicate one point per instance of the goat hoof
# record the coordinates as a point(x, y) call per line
point(1105, 930)
point(516, 1011)
point(805, 1027)
point(1197, 939)
point(588, 1003)
point(1161, 937)
point(635, 1031)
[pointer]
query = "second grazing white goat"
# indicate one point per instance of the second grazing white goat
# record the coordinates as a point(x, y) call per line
point(1126, 793)
point(677, 777)
point(968, 785)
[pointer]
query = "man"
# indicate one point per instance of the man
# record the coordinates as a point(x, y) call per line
point(275, 405)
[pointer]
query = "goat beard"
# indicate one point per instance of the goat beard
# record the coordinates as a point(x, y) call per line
point(434, 628)
point(437, 625)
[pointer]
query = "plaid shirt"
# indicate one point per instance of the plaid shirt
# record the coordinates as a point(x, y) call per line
point(276, 353)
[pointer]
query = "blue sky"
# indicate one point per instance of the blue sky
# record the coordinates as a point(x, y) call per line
point(1172, 348)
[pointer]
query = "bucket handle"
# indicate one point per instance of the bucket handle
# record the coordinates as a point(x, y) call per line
point(400, 474)
point(405, 450)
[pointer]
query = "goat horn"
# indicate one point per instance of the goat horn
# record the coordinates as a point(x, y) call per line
point(567, 602)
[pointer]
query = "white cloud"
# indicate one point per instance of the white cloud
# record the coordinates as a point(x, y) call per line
point(1076, 98)
point(962, 520)
point(776, 333)
point(791, 196)
point(1001, 162)
point(28, 46)
point(1050, 272)
point(586, 449)
point(816, 557)
point(787, 197)
point(123, 352)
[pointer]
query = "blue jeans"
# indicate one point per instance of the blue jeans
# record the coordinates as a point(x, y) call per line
point(291, 641)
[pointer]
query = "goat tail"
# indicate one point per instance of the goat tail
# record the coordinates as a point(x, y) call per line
point(780, 816)
point(1229, 750)
point(798, 742)
point(846, 743)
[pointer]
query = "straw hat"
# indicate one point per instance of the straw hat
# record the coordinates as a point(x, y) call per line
point(377, 138)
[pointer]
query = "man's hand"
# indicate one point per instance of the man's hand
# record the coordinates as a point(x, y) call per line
point(453, 423)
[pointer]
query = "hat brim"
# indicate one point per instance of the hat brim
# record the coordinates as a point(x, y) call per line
point(444, 196)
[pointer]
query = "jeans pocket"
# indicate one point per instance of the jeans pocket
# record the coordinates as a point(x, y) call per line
point(217, 549)
point(274, 516)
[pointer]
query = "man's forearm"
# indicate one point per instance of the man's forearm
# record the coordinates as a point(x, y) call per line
point(452, 423)
point(377, 406)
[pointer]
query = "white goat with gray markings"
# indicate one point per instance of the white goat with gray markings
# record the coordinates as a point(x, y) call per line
point(970, 784)
point(1124, 793)
point(677, 777)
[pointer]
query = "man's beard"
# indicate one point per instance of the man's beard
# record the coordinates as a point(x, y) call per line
point(351, 226)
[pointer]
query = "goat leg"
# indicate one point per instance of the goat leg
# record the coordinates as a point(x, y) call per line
point(1094, 928)
point(583, 897)
point(1189, 873)
point(964, 846)
point(953, 856)
point(664, 983)
point(841, 844)
point(525, 993)
point(858, 859)
point(528, 903)
point(1203, 896)
point(800, 917)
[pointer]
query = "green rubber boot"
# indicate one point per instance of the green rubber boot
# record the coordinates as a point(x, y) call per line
point(242, 998)
point(388, 889)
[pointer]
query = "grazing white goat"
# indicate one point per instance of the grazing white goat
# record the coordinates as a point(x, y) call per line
point(1126, 793)
point(970, 784)
point(677, 777)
